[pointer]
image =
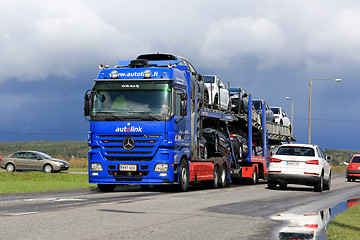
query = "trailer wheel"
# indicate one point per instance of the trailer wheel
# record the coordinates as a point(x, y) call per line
point(254, 179)
point(184, 176)
point(215, 182)
point(223, 176)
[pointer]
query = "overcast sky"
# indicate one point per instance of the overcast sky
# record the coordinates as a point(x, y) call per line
point(50, 52)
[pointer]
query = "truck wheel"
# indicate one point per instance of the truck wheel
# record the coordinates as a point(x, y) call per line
point(223, 176)
point(183, 177)
point(348, 179)
point(215, 182)
point(271, 184)
point(319, 186)
point(106, 187)
point(283, 186)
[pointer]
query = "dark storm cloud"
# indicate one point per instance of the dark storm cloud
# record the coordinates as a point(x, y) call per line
point(50, 53)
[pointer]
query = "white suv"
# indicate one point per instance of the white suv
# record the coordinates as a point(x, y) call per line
point(215, 93)
point(280, 116)
point(299, 164)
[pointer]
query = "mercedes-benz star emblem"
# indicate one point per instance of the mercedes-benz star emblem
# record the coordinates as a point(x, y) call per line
point(128, 144)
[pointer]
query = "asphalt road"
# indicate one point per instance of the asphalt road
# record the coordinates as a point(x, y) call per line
point(234, 212)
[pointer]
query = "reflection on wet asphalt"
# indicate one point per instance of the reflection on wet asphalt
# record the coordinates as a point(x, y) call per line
point(309, 225)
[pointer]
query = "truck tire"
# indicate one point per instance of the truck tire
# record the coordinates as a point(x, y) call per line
point(223, 176)
point(254, 179)
point(106, 187)
point(215, 182)
point(183, 176)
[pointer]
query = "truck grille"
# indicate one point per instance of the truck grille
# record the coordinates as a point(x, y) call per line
point(144, 147)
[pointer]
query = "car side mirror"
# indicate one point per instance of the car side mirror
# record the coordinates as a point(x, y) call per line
point(328, 158)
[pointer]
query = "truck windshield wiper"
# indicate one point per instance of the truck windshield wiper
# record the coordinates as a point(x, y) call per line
point(147, 114)
point(112, 116)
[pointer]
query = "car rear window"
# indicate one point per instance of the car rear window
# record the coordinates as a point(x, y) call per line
point(296, 151)
point(355, 160)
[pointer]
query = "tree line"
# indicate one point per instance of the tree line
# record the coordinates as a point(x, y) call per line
point(60, 149)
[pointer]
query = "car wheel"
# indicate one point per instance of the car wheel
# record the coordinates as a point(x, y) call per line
point(106, 187)
point(216, 144)
point(205, 152)
point(48, 168)
point(240, 153)
point(271, 184)
point(10, 167)
point(320, 184)
point(215, 103)
point(327, 184)
point(184, 176)
point(206, 98)
point(223, 175)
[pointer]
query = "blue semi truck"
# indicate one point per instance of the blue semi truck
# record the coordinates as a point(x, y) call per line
point(149, 125)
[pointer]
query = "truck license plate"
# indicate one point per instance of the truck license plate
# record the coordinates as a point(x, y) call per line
point(127, 167)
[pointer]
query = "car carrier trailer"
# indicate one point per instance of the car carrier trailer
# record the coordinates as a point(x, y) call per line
point(146, 128)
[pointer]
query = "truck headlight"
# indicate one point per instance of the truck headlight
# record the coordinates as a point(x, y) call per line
point(96, 167)
point(161, 167)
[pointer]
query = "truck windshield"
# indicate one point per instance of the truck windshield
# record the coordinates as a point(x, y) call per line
point(129, 100)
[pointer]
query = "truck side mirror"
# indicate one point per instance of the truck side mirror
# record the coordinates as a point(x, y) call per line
point(87, 103)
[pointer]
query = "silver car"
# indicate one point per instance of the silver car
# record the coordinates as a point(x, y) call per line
point(32, 160)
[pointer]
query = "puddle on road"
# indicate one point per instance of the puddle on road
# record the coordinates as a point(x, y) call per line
point(310, 225)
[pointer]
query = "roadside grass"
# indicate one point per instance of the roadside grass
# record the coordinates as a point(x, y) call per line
point(339, 169)
point(345, 225)
point(26, 182)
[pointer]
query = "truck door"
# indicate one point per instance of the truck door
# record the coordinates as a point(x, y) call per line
point(182, 126)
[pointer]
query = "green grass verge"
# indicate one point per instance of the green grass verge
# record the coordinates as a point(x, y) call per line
point(25, 182)
point(345, 225)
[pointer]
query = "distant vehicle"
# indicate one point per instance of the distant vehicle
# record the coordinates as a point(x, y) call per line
point(216, 141)
point(215, 93)
point(353, 170)
point(303, 164)
point(258, 106)
point(239, 100)
point(32, 161)
point(280, 116)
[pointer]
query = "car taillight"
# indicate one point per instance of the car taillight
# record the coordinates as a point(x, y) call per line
point(316, 162)
point(311, 226)
point(275, 160)
point(0, 159)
